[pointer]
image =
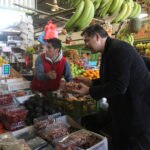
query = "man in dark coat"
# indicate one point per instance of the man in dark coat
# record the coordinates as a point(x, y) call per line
point(125, 82)
point(147, 61)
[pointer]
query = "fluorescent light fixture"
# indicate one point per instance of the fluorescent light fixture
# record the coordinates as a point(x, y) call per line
point(143, 15)
point(9, 17)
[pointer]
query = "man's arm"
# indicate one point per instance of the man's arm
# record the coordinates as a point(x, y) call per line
point(39, 69)
point(120, 63)
point(147, 61)
point(96, 82)
point(67, 72)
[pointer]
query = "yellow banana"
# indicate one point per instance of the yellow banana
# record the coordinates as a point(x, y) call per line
point(121, 13)
point(75, 16)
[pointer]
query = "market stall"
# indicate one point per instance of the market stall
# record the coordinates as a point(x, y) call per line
point(61, 120)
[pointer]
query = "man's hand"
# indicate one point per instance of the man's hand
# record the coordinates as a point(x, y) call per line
point(62, 85)
point(83, 80)
point(52, 74)
point(83, 90)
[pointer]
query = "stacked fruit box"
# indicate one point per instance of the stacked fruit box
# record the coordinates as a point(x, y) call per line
point(80, 108)
point(5, 99)
point(13, 117)
point(71, 105)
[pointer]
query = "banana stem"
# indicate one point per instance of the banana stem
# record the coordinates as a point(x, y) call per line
point(119, 28)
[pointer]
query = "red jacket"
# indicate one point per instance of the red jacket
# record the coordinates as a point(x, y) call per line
point(51, 84)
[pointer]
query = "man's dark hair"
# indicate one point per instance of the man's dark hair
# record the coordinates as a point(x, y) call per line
point(93, 29)
point(56, 43)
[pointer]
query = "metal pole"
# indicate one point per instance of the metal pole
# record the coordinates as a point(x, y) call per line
point(45, 13)
point(102, 21)
point(54, 5)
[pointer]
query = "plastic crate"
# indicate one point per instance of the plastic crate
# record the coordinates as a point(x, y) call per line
point(44, 121)
point(14, 126)
point(59, 105)
point(80, 108)
point(61, 127)
point(13, 114)
point(83, 138)
point(75, 107)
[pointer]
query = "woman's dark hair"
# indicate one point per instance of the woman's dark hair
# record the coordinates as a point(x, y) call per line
point(93, 29)
point(56, 43)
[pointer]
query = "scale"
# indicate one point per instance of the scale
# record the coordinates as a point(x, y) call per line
point(6, 70)
point(4, 73)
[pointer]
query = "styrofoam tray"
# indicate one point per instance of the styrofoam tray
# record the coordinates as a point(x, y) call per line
point(12, 80)
point(16, 86)
point(22, 99)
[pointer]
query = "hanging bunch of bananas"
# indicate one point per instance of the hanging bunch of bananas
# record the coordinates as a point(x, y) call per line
point(129, 9)
point(117, 10)
point(82, 17)
point(120, 10)
point(126, 36)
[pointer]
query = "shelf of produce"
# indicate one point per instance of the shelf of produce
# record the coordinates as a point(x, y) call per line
point(142, 37)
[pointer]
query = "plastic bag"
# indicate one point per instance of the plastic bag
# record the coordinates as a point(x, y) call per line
point(41, 38)
point(36, 143)
point(50, 31)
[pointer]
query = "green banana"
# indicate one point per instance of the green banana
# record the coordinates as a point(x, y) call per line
point(132, 39)
point(128, 12)
point(132, 3)
point(75, 16)
point(97, 4)
point(115, 7)
point(121, 13)
point(129, 39)
point(85, 14)
point(125, 36)
point(134, 10)
point(89, 19)
point(76, 3)
point(102, 6)
point(104, 3)
point(104, 10)
point(138, 11)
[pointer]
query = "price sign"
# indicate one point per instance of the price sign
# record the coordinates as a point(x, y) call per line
point(6, 69)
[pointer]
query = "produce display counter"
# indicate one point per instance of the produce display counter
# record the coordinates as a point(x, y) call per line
point(62, 133)
point(48, 132)
point(30, 121)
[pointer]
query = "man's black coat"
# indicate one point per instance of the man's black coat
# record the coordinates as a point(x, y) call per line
point(125, 82)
